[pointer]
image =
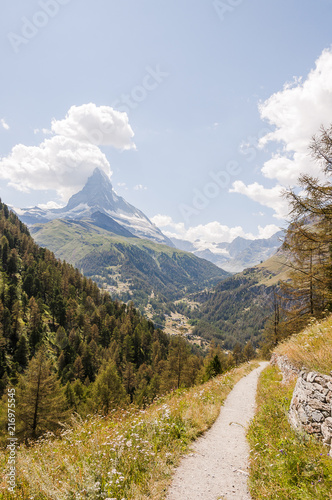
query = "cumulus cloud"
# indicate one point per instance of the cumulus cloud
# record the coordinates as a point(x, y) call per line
point(209, 235)
point(162, 220)
point(59, 164)
point(50, 205)
point(4, 124)
point(98, 125)
point(268, 197)
point(296, 112)
point(64, 161)
point(140, 187)
point(267, 231)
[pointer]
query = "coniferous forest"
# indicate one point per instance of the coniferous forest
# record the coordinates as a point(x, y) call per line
point(67, 347)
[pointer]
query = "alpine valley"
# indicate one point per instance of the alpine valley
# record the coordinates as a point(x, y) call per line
point(170, 282)
point(117, 246)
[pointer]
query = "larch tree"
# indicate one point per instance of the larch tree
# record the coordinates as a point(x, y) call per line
point(308, 292)
point(41, 403)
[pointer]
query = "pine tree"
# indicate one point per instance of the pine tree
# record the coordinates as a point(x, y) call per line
point(213, 368)
point(40, 400)
point(21, 355)
point(107, 391)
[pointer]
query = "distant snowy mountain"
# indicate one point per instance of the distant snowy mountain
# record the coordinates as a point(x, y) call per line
point(96, 199)
point(238, 255)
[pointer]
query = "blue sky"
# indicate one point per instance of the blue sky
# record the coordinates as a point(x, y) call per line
point(206, 81)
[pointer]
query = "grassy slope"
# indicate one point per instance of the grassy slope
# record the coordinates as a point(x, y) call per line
point(311, 348)
point(127, 455)
point(273, 270)
point(285, 464)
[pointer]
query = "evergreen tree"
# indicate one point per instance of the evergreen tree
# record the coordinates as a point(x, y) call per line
point(21, 355)
point(40, 399)
point(249, 351)
point(214, 367)
point(308, 293)
point(107, 391)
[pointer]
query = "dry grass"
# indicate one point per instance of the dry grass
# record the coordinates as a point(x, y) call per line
point(285, 465)
point(311, 348)
point(128, 455)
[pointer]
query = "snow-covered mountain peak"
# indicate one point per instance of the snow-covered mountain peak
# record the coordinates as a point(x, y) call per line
point(99, 196)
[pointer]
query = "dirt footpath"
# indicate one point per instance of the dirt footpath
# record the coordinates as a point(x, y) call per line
point(217, 468)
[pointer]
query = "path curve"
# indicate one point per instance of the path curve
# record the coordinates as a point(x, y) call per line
point(218, 465)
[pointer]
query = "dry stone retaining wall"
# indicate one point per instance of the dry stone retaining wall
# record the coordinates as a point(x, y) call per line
point(288, 370)
point(311, 405)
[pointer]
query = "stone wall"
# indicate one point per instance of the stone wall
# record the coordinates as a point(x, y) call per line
point(288, 370)
point(311, 405)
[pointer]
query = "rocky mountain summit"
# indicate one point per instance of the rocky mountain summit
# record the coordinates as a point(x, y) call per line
point(98, 201)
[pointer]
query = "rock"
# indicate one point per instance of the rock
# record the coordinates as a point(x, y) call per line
point(308, 386)
point(303, 416)
point(320, 380)
point(320, 388)
point(318, 396)
point(317, 416)
point(326, 429)
point(313, 428)
point(316, 404)
point(311, 405)
point(311, 376)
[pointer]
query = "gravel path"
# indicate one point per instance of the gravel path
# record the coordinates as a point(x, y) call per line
point(217, 467)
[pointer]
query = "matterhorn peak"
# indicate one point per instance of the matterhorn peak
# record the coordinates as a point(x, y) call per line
point(98, 196)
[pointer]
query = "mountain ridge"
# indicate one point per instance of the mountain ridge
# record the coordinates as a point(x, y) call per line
point(129, 268)
point(98, 195)
point(238, 255)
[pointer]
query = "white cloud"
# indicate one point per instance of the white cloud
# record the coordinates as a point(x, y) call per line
point(297, 113)
point(98, 125)
point(214, 232)
point(162, 220)
point(59, 164)
point(4, 124)
point(140, 187)
point(268, 197)
point(267, 231)
point(44, 131)
point(209, 235)
point(64, 161)
point(50, 205)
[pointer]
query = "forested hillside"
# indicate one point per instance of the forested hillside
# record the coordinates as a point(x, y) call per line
point(129, 268)
point(66, 346)
point(238, 308)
